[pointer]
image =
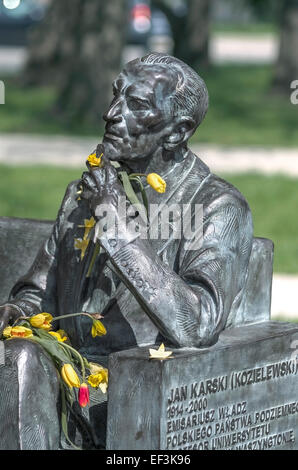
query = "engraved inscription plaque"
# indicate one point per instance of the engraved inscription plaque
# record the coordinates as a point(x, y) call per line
point(238, 394)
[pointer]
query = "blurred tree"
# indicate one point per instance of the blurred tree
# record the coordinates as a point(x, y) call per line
point(190, 29)
point(287, 63)
point(285, 13)
point(78, 49)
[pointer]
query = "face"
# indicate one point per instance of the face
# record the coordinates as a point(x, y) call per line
point(139, 119)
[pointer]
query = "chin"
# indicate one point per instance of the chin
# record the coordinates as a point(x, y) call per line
point(115, 150)
point(112, 150)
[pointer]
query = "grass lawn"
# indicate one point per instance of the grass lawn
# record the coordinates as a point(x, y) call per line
point(245, 28)
point(33, 192)
point(274, 201)
point(242, 110)
point(36, 192)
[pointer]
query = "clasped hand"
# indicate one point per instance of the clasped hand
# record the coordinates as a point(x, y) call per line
point(101, 185)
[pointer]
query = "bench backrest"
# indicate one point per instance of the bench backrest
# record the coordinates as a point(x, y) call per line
point(20, 240)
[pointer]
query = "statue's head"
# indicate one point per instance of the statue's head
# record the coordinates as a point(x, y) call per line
point(158, 103)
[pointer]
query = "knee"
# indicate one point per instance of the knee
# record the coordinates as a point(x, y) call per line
point(18, 348)
point(28, 356)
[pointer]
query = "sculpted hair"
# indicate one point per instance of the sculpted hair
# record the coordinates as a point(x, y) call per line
point(191, 95)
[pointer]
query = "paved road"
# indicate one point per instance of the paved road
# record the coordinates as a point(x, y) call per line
point(235, 48)
point(284, 296)
point(71, 151)
point(12, 59)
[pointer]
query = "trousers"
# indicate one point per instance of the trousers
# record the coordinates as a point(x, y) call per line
point(30, 404)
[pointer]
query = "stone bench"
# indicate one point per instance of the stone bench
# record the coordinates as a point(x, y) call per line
point(239, 393)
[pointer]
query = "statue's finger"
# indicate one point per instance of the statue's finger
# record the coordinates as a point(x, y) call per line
point(99, 176)
point(111, 173)
point(100, 151)
point(3, 324)
point(88, 181)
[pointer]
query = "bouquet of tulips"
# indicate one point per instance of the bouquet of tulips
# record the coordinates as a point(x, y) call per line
point(66, 359)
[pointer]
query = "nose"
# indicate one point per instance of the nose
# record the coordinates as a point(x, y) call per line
point(114, 112)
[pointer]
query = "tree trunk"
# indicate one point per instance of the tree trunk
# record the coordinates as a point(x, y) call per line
point(191, 32)
point(287, 64)
point(198, 32)
point(78, 49)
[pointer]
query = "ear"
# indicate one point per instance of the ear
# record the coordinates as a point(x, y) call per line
point(182, 130)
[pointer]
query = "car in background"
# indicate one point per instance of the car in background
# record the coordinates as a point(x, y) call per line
point(139, 22)
point(16, 19)
point(148, 29)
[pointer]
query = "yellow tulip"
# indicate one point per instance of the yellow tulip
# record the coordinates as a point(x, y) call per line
point(98, 329)
point(60, 335)
point(94, 380)
point(156, 182)
point(17, 332)
point(7, 332)
point(95, 368)
point(100, 379)
point(70, 376)
point(93, 160)
point(42, 320)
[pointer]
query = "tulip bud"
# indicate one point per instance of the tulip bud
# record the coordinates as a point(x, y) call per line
point(17, 332)
point(70, 376)
point(156, 182)
point(98, 329)
point(94, 161)
point(60, 335)
point(42, 320)
point(84, 395)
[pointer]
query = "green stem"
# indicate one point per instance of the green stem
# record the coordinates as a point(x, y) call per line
point(57, 318)
point(72, 315)
point(94, 256)
point(64, 417)
point(79, 356)
point(132, 175)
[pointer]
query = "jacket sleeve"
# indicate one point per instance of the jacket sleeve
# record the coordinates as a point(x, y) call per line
point(35, 292)
point(190, 306)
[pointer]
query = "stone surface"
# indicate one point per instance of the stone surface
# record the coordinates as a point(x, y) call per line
point(256, 300)
point(20, 240)
point(239, 393)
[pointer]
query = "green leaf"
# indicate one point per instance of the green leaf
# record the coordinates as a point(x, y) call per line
point(43, 334)
point(64, 423)
point(144, 195)
point(55, 349)
point(131, 195)
point(115, 164)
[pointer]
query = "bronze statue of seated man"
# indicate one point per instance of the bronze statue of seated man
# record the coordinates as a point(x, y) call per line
point(149, 290)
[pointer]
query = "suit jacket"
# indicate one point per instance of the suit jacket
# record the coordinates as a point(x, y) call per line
point(146, 285)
